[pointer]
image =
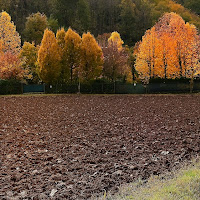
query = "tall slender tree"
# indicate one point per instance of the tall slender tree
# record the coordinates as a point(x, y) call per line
point(91, 58)
point(72, 53)
point(49, 58)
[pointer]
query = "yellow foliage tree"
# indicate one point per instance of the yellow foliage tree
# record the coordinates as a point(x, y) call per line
point(72, 53)
point(60, 36)
point(28, 54)
point(115, 39)
point(49, 58)
point(11, 65)
point(10, 38)
point(91, 58)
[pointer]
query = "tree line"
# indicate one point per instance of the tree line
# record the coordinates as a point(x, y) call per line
point(131, 18)
point(64, 57)
point(170, 49)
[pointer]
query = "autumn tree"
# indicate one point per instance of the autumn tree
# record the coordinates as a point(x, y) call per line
point(28, 54)
point(60, 37)
point(181, 37)
point(34, 27)
point(165, 49)
point(115, 39)
point(91, 58)
point(115, 65)
point(72, 53)
point(148, 54)
point(11, 67)
point(49, 58)
point(103, 39)
point(10, 44)
point(10, 38)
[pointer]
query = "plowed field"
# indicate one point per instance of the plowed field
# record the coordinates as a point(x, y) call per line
point(78, 146)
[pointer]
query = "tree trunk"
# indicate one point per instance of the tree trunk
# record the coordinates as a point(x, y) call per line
point(114, 86)
point(192, 83)
point(79, 85)
point(71, 73)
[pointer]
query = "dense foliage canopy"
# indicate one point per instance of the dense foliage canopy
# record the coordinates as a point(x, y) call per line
point(87, 40)
point(129, 17)
point(170, 49)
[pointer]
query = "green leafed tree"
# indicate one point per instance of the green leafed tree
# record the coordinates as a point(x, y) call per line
point(53, 24)
point(49, 58)
point(127, 20)
point(34, 27)
point(64, 11)
point(83, 17)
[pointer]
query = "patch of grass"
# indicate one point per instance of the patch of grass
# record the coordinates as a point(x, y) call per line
point(183, 184)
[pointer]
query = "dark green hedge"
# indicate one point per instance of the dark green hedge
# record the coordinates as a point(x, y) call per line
point(10, 87)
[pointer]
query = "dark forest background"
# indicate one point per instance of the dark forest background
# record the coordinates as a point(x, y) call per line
point(131, 18)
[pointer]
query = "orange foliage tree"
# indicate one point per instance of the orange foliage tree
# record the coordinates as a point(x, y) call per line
point(11, 66)
point(168, 50)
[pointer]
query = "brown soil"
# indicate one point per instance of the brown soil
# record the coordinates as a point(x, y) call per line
point(73, 147)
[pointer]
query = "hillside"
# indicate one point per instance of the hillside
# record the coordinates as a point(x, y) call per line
point(162, 6)
point(191, 4)
point(129, 17)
